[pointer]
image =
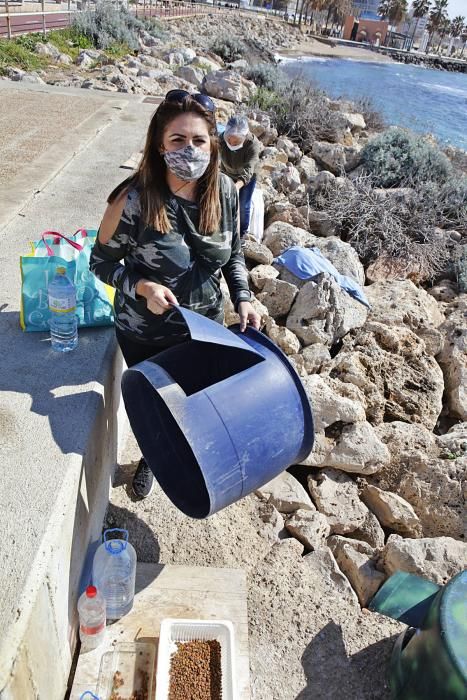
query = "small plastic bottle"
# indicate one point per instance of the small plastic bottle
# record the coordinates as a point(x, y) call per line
point(63, 322)
point(92, 618)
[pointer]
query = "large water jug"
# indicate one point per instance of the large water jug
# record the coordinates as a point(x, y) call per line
point(113, 573)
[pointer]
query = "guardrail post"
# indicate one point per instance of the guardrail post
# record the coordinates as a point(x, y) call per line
point(44, 30)
point(8, 20)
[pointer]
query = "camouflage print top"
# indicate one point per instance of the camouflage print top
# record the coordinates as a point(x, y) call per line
point(183, 260)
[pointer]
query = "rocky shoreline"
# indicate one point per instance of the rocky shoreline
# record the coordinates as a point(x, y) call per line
point(384, 488)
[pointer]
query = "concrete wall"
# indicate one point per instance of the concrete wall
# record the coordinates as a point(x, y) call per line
point(45, 637)
point(61, 420)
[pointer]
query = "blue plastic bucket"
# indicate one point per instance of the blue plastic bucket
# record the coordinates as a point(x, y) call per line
point(218, 416)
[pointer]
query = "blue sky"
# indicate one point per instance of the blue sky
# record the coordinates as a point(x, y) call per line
point(458, 7)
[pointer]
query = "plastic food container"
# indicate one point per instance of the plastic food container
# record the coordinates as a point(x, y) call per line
point(173, 631)
point(127, 671)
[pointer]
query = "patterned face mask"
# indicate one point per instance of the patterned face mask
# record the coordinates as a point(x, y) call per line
point(188, 163)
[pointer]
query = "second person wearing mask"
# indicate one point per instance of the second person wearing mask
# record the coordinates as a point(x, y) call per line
point(239, 152)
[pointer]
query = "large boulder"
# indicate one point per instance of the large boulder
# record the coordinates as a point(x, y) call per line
point(323, 312)
point(286, 494)
point(357, 449)
point(330, 403)
point(48, 50)
point(278, 297)
point(286, 179)
point(436, 489)
point(390, 366)
point(282, 337)
point(330, 155)
point(308, 527)
point(400, 302)
point(392, 511)
point(308, 169)
point(354, 121)
point(453, 356)
point(314, 357)
point(290, 148)
point(357, 560)
point(261, 273)
point(206, 64)
point(336, 496)
point(280, 236)
point(228, 85)
point(259, 253)
point(435, 558)
point(287, 212)
point(191, 74)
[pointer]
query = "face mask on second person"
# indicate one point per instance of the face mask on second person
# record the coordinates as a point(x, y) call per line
point(237, 147)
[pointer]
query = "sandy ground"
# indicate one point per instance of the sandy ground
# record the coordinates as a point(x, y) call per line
point(312, 47)
point(308, 637)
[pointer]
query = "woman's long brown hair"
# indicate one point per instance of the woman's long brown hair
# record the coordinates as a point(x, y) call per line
point(150, 177)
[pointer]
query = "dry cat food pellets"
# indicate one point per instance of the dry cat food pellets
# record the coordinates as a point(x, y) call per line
point(195, 671)
point(142, 694)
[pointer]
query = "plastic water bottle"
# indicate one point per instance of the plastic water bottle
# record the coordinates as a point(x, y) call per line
point(92, 617)
point(114, 572)
point(62, 306)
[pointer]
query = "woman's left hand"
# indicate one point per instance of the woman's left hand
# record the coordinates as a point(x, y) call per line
point(248, 316)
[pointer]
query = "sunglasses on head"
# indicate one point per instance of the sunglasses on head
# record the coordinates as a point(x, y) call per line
point(181, 95)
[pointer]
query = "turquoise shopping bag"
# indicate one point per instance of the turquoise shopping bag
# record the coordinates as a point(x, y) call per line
point(94, 299)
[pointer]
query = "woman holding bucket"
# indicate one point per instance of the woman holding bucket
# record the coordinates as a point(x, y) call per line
point(174, 225)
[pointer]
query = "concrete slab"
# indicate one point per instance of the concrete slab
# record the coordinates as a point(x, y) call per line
point(59, 430)
point(180, 592)
point(42, 128)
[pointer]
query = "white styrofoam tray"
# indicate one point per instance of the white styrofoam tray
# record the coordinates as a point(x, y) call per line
point(173, 631)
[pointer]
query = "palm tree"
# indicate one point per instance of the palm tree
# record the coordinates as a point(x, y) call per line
point(464, 39)
point(438, 17)
point(393, 10)
point(443, 29)
point(457, 26)
point(420, 8)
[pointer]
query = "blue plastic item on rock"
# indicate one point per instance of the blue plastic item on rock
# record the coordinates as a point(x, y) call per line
point(218, 416)
point(306, 263)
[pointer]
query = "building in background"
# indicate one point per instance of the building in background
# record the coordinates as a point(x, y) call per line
point(370, 31)
point(367, 9)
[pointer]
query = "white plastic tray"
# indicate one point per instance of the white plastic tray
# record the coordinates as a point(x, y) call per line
point(173, 631)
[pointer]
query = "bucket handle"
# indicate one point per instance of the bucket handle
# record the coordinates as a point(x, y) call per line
point(88, 694)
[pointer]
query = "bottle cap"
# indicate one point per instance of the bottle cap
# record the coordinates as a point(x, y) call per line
point(60, 270)
point(91, 592)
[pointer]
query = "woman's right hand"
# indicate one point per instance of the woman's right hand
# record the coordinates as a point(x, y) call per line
point(159, 299)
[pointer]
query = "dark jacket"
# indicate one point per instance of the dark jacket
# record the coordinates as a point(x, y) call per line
point(183, 260)
point(241, 164)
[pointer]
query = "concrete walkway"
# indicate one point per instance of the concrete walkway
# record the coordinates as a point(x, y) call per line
point(58, 415)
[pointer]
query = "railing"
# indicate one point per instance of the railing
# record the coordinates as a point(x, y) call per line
point(14, 23)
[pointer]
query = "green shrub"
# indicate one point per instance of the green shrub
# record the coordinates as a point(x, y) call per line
point(263, 99)
point(15, 54)
point(108, 24)
point(265, 75)
point(69, 41)
point(397, 157)
point(301, 111)
point(461, 270)
point(385, 222)
point(229, 48)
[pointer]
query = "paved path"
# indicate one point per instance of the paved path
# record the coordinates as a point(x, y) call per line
point(48, 403)
point(29, 23)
